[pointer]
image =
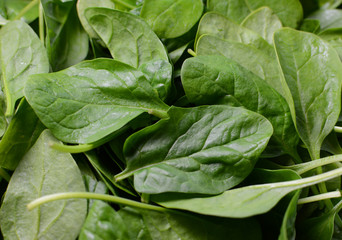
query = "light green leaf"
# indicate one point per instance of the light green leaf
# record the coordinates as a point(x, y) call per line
point(264, 22)
point(171, 18)
point(41, 172)
point(165, 158)
point(256, 61)
point(86, 102)
point(220, 26)
point(82, 5)
point(22, 132)
point(313, 72)
point(334, 37)
point(128, 37)
point(103, 222)
point(245, 201)
point(290, 12)
point(218, 80)
point(14, 7)
point(328, 18)
point(21, 55)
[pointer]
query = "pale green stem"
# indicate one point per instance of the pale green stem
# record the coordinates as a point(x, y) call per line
point(158, 113)
point(41, 24)
point(125, 4)
point(338, 129)
point(192, 53)
point(329, 195)
point(87, 195)
point(27, 8)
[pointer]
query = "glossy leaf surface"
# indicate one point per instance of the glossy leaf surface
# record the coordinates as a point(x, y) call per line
point(171, 18)
point(290, 12)
point(218, 80)
point(334, 37)
point(329, 18)
point(19, 41)
point(88, 101)
point(128, 38)
point(197, 150)
point(220, 26)
point(305, 58)
point(264, 22)
point(43, 171)
point(256, 61)
point(14, 7)
point(22, 132)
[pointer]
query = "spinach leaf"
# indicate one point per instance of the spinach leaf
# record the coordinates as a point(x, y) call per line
point(165, 158)
point(43, 171)
point(90, 100)
point(218, 80)
point(328, 18)
point(82, 5)
point(14, 7)
point(128, 37)
point(218, 25)
point(313, 72)
point(22, 132)
point(103, 222)
point(255, 60)
point(290, 12)
point(19, 41)
point(264, 22)
point(334, 37)
point(310, 25)
point(159, 74)
point(287, 231)
point(244, 201)
point(171, 18)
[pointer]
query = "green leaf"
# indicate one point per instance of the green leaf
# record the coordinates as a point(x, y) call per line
point(334, 37)
point(103, 222)
point(220, 26)
point(218, 80)
point(165, 158)
point(255, 60)
point(14, 7)
point(242, 202)
point(171, 18)
point(290, 12)
point(287, 231)
point(159, 74)
point(82, 5)
point(264, 22)
point(313, 72)
point(21, 55)
point(128, 37)
point(86, 102)
point(329, 18)
point(310, 25)
point(43, 171)
point(22, 133)
point(72, 44)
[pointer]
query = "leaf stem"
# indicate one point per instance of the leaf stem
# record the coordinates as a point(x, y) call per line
point(27, 8)
point(329, 195)
point(192, 53)
point(87, 195)
point(41, 24)
point(338, 129)
point(125, 4)
point(158, 113)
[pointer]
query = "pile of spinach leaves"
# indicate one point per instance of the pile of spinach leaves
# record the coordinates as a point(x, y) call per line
point(170, 119)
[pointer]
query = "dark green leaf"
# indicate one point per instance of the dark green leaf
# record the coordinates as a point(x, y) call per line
point(128, 37)
point(264, 22)
point(171, 18)
point(41, 172)
point(310, 25)
point(256, 61)
point(218, 80)
point(21, 54)
point(313, 72)
point(290, 12)
point(88, 101)
point(206, 149)
point(103, 222)
point(22, 132)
